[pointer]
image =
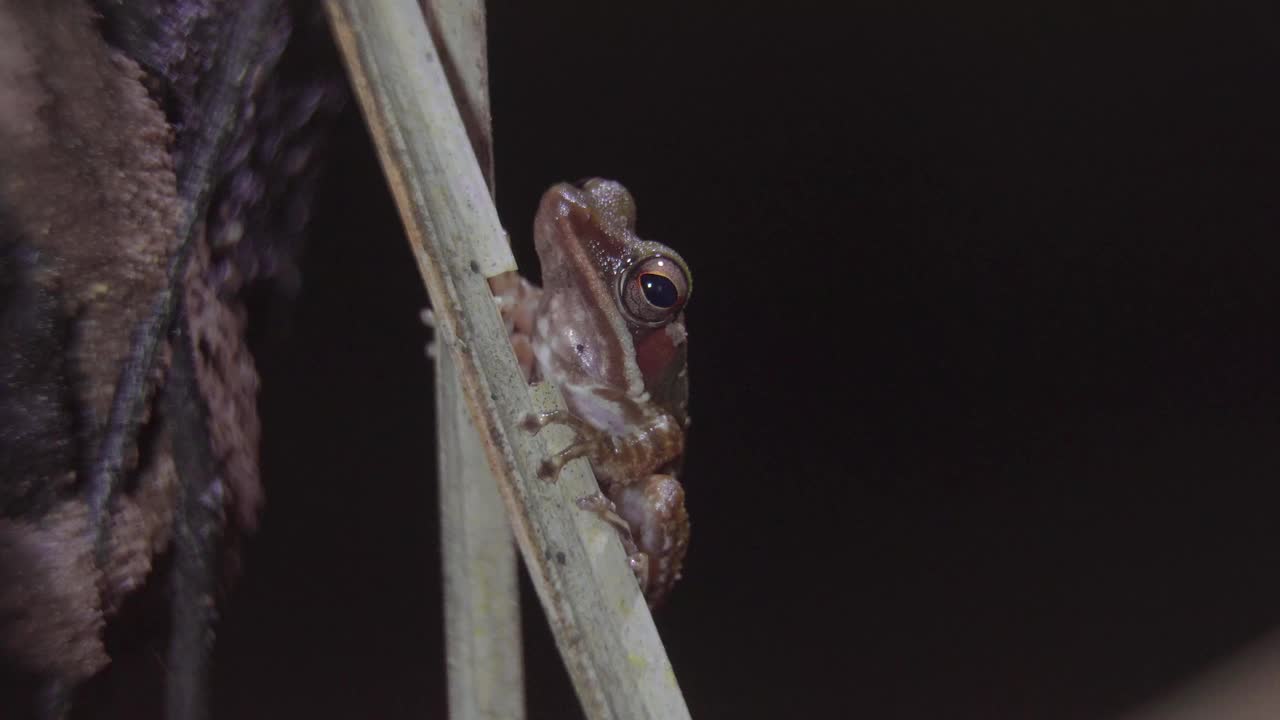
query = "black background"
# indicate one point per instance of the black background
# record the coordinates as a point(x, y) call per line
point(984, 360)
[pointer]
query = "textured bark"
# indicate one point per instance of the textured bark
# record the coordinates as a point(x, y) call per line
point(125, 129)
point(260, 187)
point(90, 193)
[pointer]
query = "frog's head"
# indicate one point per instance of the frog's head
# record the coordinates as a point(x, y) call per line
point(613, 303)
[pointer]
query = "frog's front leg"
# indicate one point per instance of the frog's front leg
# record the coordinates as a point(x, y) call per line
point(646, 440)
point(587, 440)
point(654, 527)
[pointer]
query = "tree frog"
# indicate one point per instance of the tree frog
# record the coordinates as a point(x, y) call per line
point(607, 328)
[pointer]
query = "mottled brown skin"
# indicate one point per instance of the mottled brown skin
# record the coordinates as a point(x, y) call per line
point(619, 358)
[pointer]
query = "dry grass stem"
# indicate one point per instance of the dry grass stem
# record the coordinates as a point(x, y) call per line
point(593, 604)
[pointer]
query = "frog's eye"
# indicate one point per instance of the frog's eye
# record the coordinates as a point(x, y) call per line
point(655, 289)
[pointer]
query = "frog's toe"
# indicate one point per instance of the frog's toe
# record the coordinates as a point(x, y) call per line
point(428, 318)
point(639, 564)
point(551, 467)
point(548, 471)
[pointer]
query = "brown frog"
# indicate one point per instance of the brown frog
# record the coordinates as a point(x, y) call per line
point(607, 328)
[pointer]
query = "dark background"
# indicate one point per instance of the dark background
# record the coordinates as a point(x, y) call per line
point(984, 360)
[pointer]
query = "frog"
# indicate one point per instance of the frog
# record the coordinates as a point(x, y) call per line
point(607, 327)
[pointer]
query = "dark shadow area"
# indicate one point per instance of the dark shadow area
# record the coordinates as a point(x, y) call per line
point(338, 614)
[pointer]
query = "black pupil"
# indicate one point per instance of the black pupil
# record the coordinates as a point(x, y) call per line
point(659, 290)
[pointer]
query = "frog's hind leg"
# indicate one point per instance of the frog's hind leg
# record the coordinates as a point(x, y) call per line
point(608, 512)
point(653, 524)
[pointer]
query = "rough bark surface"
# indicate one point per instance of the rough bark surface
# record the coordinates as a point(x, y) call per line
point(89, 192)
point(100, 110)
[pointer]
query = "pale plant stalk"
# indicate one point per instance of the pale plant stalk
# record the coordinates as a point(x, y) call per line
point(481, 588)
point(592, 601)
